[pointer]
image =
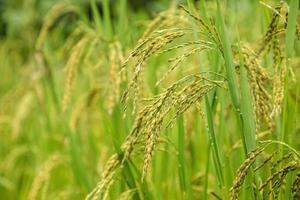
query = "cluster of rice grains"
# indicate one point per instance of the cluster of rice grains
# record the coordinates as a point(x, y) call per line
point(166, 106)
point(174, 25)
point(267, 85)
point(81, 45)
point(161, 110)
point(260, 81)
point(278, 168)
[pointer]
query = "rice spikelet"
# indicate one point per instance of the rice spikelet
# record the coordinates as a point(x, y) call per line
point(71, 72)
point(296, 187)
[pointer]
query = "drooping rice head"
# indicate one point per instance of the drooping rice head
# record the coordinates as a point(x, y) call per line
point(158, 112)
point(267, 84)
point(84, 52)
point(278, 167)
point(163, 36)
point(40, 184)
point(55, 12)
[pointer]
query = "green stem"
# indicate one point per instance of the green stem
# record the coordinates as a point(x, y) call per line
point(214, 144)
point(230, 70)
point(107, 19)
point(206, 173)
point(181, 164)
point(96, 16)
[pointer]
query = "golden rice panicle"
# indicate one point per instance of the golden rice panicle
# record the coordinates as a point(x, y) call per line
point(277, 178)
point(272, 184)
point(114, 163)
point(120, 58)
point(71, 70)
point(265, 161)
point(210, 29)
point(134, 136)
point(197, 18)
point(147, 46)
point(141, 53)
point(271, 31)
point(242, 173)
point(43, 176)
point(190, 95)
point(281, 160)
point(138, 91)
point(132, 85)
point(128, 194)
point(90, 51)
point(279, 183)
point(152, 138)
point(115, 80)
point(108, 178)
point(278, 79)
point(298, 31)
point(76, 115)
point(156, 36)
point(111, 165)
point(179, 59)
point(201, 43)
point(55, 12)
point(149, 121)
point(182, 100)
point(296, 187)
point(23, 109)
point(276, 181)
point(155, 116)
point(258, 81)
point(163, 19)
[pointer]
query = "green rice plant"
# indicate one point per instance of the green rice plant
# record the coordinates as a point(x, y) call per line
point(151, 44)
point(152, 100)
point(212, 136)
point(149, 123)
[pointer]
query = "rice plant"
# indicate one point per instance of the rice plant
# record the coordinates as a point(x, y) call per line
point(153, 100)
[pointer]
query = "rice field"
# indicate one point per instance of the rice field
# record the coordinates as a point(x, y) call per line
point(149, 100)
